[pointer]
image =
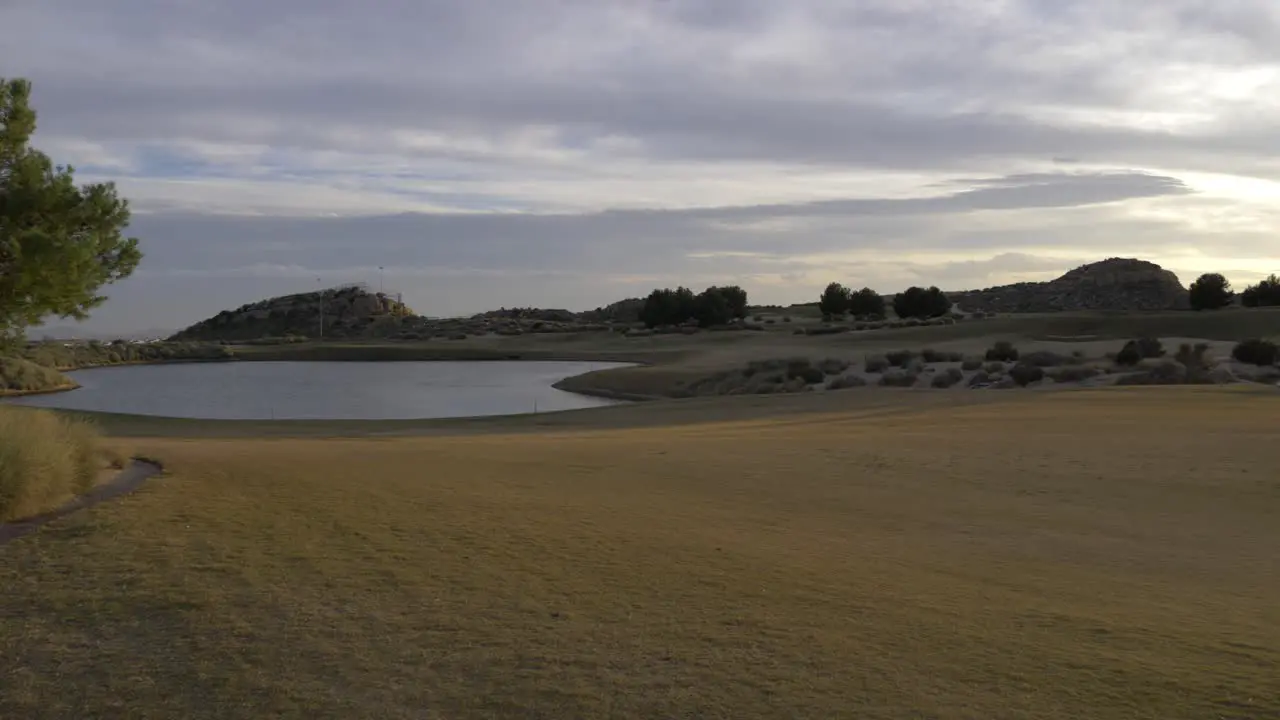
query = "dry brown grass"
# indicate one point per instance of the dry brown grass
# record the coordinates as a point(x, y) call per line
point(45, 460)
point(1095, 554)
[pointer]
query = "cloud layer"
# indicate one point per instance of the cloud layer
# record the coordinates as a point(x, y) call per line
point(566, 152)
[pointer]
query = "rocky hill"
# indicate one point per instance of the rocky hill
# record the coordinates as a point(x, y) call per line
point(348, 312)
point(1119, 284)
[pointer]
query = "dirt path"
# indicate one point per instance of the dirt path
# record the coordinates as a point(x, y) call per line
point(126, 481)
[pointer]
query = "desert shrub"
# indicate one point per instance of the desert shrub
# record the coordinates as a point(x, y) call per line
point(877, 364)
point(971, 364)
point(1072, 373)
point(786, 319)
point(812, 376)
point(770, 321)
point(899, 358)
point(898, 378)
point(1045, 358)
point(1256, 352)
point(932, 356)
point(994, 367)
point(1024, 374)
point(947, 379)
point(757, 318)
point(799, 367)
point(826, 330)
point(1135, 351)
point(846, 381)
point(795, 385)
point(833, 366)
point(45, 459)
point(1163, 372)
point(1003, 351)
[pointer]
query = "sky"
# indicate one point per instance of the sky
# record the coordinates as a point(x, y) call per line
point(568, 153)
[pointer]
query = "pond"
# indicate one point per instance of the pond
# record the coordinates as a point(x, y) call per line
point(325, 390)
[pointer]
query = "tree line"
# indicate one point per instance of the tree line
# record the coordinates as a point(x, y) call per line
point(1212, 291)
point(713, 306)
point(837, 301)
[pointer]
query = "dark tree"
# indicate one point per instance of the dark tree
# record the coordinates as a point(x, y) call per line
point(921, 303)
point(59, 243)
point(713, 306)
point(1210, 291)
point(834, 301)
point(735, 297)
point(866, 302)
point(1265, 294)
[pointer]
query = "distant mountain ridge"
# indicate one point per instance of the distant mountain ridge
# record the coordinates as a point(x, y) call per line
point(1115, 284)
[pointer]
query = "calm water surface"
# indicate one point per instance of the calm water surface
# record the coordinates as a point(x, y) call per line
point(325, 390)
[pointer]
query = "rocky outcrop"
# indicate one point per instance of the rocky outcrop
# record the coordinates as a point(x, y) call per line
point(1117, 284)
point(346, 312)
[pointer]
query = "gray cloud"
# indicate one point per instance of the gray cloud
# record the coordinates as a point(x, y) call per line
point(567, 151)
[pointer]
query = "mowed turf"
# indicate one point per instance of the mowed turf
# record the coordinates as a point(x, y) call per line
point(1095, 554)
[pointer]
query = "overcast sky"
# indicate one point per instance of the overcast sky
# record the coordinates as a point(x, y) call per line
point(567, 153)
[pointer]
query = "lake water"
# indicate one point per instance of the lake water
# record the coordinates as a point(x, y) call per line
point(325, 390)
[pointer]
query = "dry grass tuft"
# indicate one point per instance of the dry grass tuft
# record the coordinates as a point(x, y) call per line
point(45, 460)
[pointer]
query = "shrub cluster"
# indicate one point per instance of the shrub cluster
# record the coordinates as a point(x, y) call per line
point(1003, 351)
point(1256, 352)
point(947, 378)
point(1135, 351)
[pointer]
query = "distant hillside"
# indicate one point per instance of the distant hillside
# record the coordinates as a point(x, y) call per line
point(347, 312)
point(1119, 284)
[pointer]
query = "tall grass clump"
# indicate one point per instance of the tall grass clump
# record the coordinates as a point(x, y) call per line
point(45, 459)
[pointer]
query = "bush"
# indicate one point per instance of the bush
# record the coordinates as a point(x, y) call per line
point(1003, 351)
point(45, 460)
point(877, 364)
point(1135, 351)
point(921, 303)
point(900, 358)
point(812, 376)
point(833, 366)
point(1045, 358)
point(934, 356)
point(1210, 292)
point(1072, 373)
point(846, 381)
point(1256, 352)
point(1164, 372)
point(971, 364)
point(947, 379)
point(1024, 374)
point(797, 367)
point(898, 378)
